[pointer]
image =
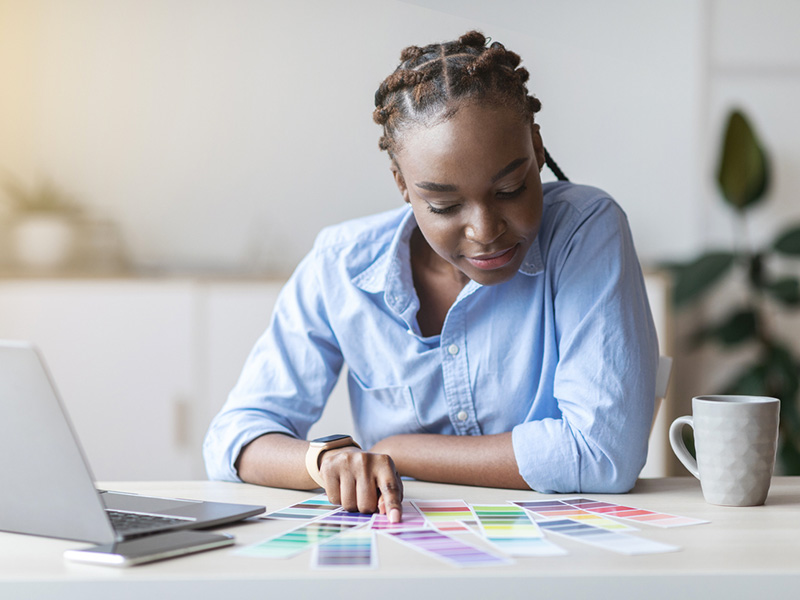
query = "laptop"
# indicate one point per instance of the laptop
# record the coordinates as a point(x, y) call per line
point(46, 485)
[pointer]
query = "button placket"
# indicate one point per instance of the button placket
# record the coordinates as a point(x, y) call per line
point(455, 370)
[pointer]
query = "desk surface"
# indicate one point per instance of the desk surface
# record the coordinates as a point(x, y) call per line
point(742, 553)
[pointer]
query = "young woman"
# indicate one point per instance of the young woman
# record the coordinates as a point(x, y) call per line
point(496, 330)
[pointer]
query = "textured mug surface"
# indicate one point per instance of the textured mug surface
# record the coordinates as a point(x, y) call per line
point(735, 441)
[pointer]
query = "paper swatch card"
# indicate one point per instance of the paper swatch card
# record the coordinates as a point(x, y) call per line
point(307, 509)
point(353, 549)
point(451, 550)
point(412, 518)
point(295, 541)
point(512, 531)
point(637, 515)
point(557, 509)
point(615, 541)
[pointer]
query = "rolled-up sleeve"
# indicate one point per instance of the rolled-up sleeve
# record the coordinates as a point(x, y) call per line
point(607, 355)
point(286, 379)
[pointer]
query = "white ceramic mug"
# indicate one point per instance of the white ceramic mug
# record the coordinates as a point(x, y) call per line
point(735, 440)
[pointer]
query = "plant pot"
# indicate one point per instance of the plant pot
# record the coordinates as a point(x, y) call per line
point(43, 241)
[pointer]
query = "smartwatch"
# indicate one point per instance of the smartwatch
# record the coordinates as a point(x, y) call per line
point(320, 445)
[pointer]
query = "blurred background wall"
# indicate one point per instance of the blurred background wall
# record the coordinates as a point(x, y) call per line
point(224, 135)
point(220, 137)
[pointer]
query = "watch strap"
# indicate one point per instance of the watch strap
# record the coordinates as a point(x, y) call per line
point(317, 449)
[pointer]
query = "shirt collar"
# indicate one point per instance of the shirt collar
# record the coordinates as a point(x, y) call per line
point(391, 271)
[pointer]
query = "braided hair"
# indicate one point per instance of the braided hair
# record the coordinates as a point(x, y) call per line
point(430, 82)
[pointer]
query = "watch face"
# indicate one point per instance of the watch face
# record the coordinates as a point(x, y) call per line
point(330, 438)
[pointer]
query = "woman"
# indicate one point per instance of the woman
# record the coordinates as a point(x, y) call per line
point(496, 330)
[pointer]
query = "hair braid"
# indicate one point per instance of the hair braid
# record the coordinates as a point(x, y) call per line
point(551, 164)
point(431, 81)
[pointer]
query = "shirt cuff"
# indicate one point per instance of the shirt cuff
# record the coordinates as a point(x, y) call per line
point(221, 455)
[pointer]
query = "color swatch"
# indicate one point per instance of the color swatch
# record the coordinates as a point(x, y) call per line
point(451, 550)
point(557, 509)
point(452, 527)
point(412, 519)
point(602, 538)
point(295, 541)
point(354, 549)
point(637, 515)
point(512, 531)
point(307, 509)
point(342, 516)
point(451, 516)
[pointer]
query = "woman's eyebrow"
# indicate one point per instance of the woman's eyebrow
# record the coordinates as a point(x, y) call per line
point(509, 168)
point(436, 187)
point(449, 187)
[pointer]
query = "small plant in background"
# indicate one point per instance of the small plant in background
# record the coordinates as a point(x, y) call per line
point(744, 176)
point(45, 197)
point(44, 220)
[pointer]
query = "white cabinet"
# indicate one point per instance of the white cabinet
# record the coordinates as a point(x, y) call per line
point(121, 353)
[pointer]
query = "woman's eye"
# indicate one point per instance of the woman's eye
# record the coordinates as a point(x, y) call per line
point(442, 211)
point(512, 193)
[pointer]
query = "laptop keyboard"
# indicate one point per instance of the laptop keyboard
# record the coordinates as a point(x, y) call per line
point(131, 523)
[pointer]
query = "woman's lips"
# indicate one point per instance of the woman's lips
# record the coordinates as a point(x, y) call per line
point(495, 260)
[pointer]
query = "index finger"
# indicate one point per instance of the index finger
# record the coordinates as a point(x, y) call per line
point(391, 500)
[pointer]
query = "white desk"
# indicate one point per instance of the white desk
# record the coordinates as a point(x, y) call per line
point(742, 553)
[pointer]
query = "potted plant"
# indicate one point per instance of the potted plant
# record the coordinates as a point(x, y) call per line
point(750, 319)
point(43, 224)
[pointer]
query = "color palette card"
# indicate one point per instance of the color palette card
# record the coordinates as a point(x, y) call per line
point(637, 515)
point(353, 549)
point(307, 509)
point(295, 541)
point(615, 541)
point(557, 509)
point(412, 518)
point(451, 550)
point(512, 531)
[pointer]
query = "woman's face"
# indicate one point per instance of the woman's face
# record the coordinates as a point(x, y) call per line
point(473, 184)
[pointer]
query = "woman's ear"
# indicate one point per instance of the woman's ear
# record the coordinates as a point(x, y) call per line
point(400, 182)
point(538, 145)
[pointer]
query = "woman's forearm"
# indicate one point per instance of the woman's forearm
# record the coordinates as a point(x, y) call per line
point(275, 460)
point(486, 460)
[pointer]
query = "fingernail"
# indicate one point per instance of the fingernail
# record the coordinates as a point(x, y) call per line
point(394, 516)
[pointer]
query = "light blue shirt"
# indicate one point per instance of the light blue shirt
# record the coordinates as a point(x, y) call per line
point(563, 355)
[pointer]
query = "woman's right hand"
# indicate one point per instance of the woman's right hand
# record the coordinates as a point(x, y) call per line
point(362, 481)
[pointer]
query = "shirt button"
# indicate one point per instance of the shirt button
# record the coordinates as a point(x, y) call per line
point(462, 416)
point(453, 349)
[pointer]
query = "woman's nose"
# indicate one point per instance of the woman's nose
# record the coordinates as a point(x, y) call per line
point(484, 226)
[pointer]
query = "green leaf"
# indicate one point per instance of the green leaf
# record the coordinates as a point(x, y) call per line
point(789, 242)
point(786, 290)
point(743, 172)
point(737, 328)
point(694, 278)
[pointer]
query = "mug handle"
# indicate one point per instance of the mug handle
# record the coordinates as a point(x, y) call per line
point(678, 445)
